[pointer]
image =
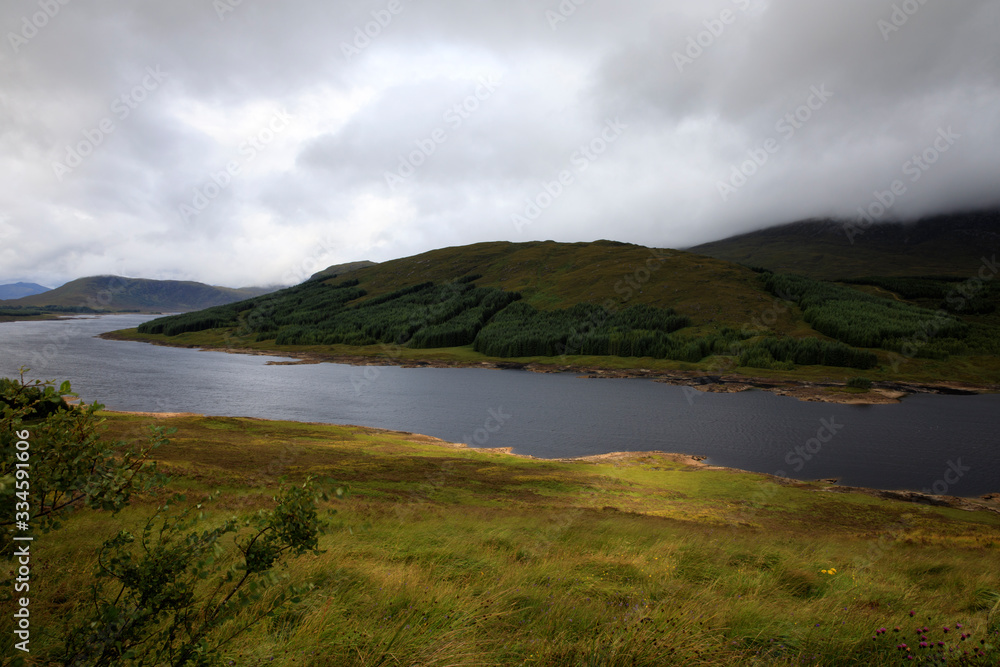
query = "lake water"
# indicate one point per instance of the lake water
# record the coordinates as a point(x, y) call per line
point(945, 444)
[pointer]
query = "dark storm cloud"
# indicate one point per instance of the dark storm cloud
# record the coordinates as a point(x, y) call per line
point(279, 135)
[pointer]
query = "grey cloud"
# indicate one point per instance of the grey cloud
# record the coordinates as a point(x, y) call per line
point(565, 70)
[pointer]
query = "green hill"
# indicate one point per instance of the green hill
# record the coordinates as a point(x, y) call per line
point(948, 245)
point(559, 275)
point(337, 269)
point(114, 293)
point(613, 305)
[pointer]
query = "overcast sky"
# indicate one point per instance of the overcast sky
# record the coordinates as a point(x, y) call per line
point(241, 142)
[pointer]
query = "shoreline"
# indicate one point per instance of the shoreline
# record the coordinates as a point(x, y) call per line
point(881, 393)
point(987, 502)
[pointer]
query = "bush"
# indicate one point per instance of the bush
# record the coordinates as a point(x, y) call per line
point(164, 598)
point(859, 383)
point(72, 466)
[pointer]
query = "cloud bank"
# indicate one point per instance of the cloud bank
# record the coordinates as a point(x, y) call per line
point(243, 142)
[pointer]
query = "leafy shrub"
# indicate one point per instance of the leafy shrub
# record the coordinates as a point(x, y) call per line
point(859, 383)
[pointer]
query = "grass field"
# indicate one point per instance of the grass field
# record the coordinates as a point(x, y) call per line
point(440, 555)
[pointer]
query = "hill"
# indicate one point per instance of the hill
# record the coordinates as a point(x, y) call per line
point(114, 293)
point(614, 305)
point(19, 290)
point(945, 245)
point(550, 276)
point(337, 269)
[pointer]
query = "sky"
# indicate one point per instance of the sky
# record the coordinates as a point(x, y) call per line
point(245, 142)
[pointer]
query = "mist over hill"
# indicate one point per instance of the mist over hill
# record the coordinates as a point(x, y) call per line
point(944, 245)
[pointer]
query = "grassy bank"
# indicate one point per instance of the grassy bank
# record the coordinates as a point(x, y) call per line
point(980, 371)
point(447, 556)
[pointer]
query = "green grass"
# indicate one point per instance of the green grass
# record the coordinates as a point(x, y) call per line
point(450, 556)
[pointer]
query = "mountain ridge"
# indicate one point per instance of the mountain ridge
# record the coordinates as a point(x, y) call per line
point(116, 293)
point(21, 289)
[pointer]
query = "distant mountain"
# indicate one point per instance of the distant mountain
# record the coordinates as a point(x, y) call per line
point(944, 245)
point(19, 290)
point(338, 269)
point(114, 293)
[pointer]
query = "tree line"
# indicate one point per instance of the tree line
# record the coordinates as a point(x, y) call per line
point(499, 324)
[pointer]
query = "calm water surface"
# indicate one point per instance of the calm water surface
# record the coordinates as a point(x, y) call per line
point(928, 440)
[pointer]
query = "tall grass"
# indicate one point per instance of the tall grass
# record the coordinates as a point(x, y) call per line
point(505, 561)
